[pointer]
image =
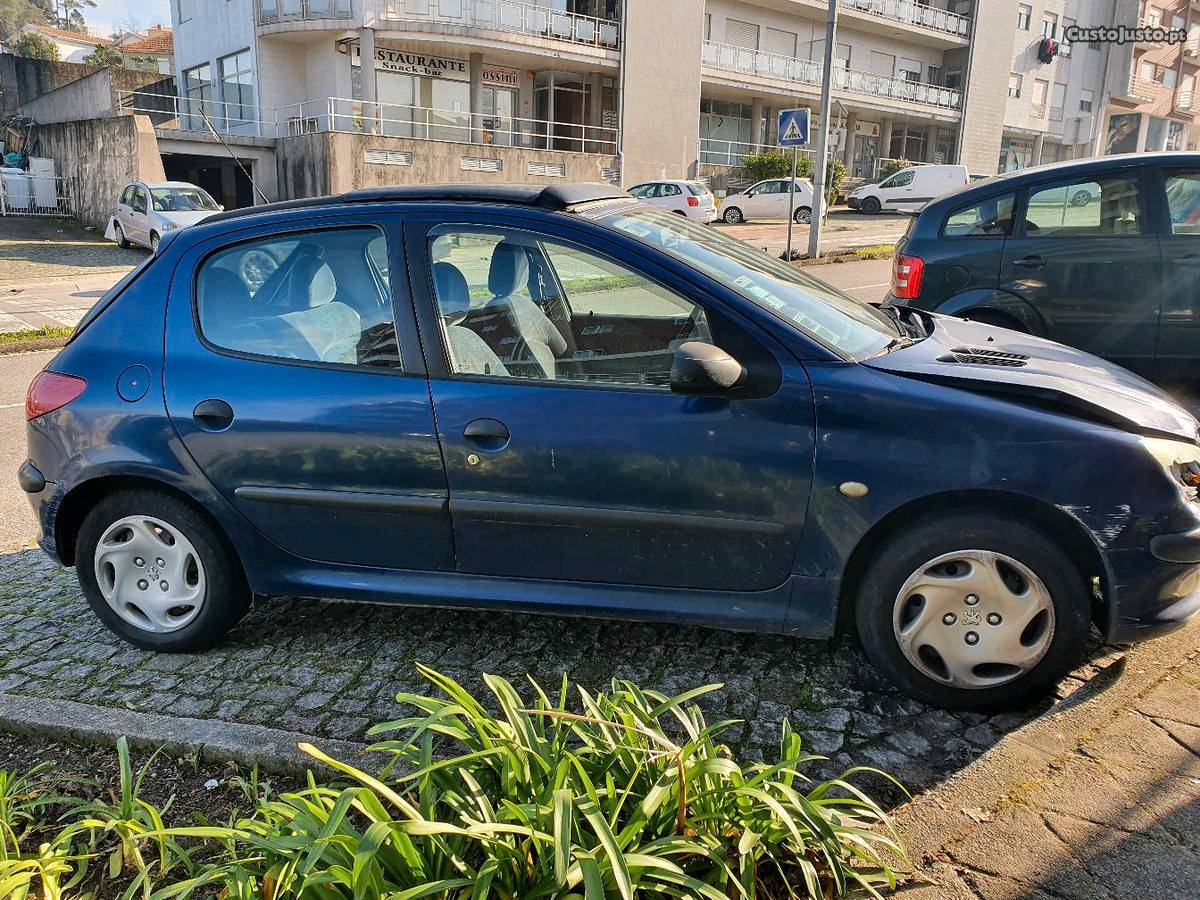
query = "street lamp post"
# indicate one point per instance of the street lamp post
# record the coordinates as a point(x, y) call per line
point(820, 175)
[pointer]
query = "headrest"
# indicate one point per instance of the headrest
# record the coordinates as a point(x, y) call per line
point(224, 300)
point(453, 292)
point(510, 269)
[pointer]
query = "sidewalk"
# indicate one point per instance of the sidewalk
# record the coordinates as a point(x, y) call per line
point(1112, 811)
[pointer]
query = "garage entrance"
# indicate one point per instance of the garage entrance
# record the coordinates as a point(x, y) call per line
point(221, 177)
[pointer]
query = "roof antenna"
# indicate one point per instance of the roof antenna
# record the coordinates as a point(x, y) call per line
point(232, 155)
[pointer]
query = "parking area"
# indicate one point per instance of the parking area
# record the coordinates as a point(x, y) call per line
point(329, 670)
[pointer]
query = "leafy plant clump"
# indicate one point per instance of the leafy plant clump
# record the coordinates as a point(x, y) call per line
point(891, 167)
point(626, 794)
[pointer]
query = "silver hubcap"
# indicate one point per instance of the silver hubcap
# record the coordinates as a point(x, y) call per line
point(150, 574)
point(974, 619)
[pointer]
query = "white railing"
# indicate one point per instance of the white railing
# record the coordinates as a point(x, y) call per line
point(1142, 88)
point(1192, 47)
point(503, 15)
point(1185, 101)
point(761, 64)
point(912, 13)
point(43, 196)
point(269, 12)
point(358, 117)
point(1037, 110)
point(177, 113)
point(717, 152)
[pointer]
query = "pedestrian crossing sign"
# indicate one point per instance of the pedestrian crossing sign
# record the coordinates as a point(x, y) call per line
point(793, 127)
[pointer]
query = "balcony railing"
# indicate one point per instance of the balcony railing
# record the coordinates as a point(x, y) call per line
point(270, 12)
point(1191, 49)
point(912, 13)
point(1037, 110)
point(1142, 89)
point(336, 114)
point(503, 15)
point(1185, 102)
point(760, 64)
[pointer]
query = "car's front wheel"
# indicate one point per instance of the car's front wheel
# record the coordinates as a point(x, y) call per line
point(158, 573)
point(871, 206)
point(733, 216)
point(973, 611)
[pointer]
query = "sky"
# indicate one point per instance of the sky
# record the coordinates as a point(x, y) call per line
point(110, 12)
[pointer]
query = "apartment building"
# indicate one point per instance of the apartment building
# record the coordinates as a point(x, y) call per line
point(347, 93)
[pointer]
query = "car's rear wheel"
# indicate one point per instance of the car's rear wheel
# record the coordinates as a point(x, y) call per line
point(154, 239)
point(1081, 198)
point(122, 241)
point(871, 206)
point(973, 611)
point(733, 216)
point(158, 573)
point(804, 215)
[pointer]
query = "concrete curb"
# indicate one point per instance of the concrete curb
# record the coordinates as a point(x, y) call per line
point(18, 286)
point(32, 346)
point(950, 811)
point(270, 749)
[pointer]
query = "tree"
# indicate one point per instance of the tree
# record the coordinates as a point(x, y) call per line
point(68, 14)
point(104, 57)
point(32, 45)
point(16, 14)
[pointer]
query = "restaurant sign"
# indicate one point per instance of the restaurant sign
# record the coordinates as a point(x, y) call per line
point(407, 62)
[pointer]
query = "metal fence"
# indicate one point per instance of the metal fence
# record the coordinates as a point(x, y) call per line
point(504, 15)
point(41, 196)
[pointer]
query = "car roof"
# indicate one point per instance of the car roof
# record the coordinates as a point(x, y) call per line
point(166, 184)
point(1008, 181)
point(556, 198)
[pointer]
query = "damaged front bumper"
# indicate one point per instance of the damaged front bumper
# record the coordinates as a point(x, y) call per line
point(1152, 590)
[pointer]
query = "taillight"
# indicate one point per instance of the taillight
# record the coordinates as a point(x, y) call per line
point(693, 201)
point(907, 274)
point(50, 391)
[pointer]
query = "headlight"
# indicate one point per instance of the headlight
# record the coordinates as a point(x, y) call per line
point(169, 226)
point(1180, 458)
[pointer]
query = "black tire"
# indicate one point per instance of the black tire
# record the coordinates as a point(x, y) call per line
point(871, 206)
point(226, 598)
point(933, 536)
point(995, 319)
point(154, 239)
point(122, 241)
point(804, 215)
point(732, 216)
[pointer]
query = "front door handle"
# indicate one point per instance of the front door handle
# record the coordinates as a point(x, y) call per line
point(213, 415)
point(487, 434)
point(1190, 260)
point(1030, 262)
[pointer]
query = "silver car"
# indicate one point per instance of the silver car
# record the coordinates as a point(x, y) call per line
point(147, 211)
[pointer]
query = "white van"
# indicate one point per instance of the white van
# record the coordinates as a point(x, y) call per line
point(909, 189)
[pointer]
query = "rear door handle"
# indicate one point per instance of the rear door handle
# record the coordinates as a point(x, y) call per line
point(487, 434)
point(1190, 260)
point(1030, 262)
point(213, 415)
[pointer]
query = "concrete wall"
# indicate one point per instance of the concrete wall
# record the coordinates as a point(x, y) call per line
point(23, 80)
point(987, 85)
point(661, 89)
point(91, 97)
point(100, 157)
point(316, 164)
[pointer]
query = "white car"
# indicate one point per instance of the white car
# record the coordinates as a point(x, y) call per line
point(687, 198)
point(909, 190)
point(769, 200)
point(147, 211)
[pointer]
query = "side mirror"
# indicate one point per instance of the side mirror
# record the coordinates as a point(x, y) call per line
point(701, 368)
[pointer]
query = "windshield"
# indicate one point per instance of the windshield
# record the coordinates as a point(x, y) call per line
point(182, 199)
point(849, 327)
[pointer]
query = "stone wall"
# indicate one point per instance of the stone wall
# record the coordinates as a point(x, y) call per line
point(316, 164)
point(99, 157)
point(24, 80)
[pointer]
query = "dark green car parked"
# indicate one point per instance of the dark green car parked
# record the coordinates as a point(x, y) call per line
point(1117, 275)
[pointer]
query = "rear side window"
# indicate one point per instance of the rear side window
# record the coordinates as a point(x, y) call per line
point(696, 190)
point(671, 190)
point(315, 297)
point(992, 217)
point(1105, 206)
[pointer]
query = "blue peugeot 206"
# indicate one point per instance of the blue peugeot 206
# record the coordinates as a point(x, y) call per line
point(561, 400)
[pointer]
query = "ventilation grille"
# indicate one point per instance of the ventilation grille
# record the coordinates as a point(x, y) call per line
point(550, 170)
point(980, 356)
point(388, 157)
point(481, 164)
point(612, 176)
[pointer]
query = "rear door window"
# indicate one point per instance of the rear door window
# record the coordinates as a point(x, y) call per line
point(1183, 200)
point(992, 217)
point(318, 297)
point(1105, 206)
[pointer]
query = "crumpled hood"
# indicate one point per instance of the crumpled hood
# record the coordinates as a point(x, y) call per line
point(984, 357)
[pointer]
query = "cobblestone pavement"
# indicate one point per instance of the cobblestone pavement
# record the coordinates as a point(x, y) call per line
point(33, 250)
point(331, 669)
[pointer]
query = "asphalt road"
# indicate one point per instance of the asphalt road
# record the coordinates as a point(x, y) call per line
point(17, 525)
